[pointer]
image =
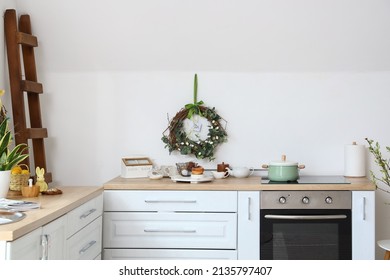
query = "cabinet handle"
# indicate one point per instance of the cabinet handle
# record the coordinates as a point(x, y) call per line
point(86, 247)
point(86, 214)
point(45, 247)
point(364, 208)
point(171, 230)
point(249, 208)
point(170, 201)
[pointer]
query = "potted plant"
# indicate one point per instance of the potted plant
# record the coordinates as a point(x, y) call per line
point(383, 164)
point(9, 157)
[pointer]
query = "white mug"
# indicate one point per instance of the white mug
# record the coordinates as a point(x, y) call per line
point(220, 175)
point(241, 172)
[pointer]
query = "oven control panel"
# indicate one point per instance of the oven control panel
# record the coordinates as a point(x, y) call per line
point(306, 199)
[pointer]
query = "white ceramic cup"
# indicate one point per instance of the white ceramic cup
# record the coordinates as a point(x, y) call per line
point(219, 175)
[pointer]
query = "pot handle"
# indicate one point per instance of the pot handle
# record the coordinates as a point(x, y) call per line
point(265, 166)
point(301, 166)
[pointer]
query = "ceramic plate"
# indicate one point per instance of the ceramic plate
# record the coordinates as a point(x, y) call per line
point(191, 180)
point(10, 217)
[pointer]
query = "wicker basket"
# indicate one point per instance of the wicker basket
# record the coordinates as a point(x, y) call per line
point(19, 180)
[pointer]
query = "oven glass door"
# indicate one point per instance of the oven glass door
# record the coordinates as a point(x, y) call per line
point(305, 234)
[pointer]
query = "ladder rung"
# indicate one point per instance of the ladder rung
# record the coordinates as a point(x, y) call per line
point(36, 133)
point(26, 39)
point(48, 177)
point(30, 86)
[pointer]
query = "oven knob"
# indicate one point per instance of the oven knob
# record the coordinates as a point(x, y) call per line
point(305, 200)
point(328, 200)
point(282, 200)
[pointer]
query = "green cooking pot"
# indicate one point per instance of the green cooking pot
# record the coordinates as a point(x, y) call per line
point(283, 171)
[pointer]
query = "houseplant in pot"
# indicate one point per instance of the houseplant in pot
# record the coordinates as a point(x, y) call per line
point(9, 157)
point(383, 164)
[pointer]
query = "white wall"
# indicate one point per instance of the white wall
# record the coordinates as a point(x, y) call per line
point(300, 77)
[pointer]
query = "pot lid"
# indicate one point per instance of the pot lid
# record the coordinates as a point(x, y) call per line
point(283, 162)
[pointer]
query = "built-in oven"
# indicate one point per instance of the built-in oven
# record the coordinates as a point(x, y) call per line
point(305, 225)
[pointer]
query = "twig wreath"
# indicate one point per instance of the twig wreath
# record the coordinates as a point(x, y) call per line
point(185, 133)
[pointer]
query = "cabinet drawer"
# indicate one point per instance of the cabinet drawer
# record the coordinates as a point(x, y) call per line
point(87, 243)
point(84, 214)
point(170, 230)
point(188, 201)
point(168, 254)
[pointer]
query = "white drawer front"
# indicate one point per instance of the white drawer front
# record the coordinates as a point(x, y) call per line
point(84, 214)
point(190, 201)
point(170, 230)
point(168, 254)
point(87, 243)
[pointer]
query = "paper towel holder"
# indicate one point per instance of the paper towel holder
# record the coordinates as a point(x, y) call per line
point(354, 161)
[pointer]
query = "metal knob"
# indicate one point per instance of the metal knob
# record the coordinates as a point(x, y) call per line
point(305, 200)
point(282, 200)
point(328, 200)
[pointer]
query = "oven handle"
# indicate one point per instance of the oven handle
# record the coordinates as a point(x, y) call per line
point(305, 217)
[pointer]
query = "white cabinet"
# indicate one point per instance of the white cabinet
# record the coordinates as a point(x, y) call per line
point(170, 224)
point(363, 225)
point(248, 225)
point(84, 231)
point(53, 239)
point(44, 243)
point(87, 243)
point(28, 247)
point(75, 235)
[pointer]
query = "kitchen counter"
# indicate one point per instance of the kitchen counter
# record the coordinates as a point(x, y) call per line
point(252, 183)
point(52, 207)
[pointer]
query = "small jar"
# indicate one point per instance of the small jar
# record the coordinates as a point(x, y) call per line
point(30, 191)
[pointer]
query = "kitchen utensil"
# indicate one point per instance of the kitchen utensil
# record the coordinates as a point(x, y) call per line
point(240, 172)
point(220, 175)
point(182, 179)
point(7, 217)
point(283, 170)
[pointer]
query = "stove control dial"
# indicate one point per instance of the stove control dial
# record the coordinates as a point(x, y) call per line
point(305, 200)
point(282, 200)
point(328, 200)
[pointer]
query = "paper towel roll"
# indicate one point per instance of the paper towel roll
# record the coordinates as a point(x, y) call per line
point(354, 160)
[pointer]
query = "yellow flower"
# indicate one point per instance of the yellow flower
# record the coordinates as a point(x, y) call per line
point(2, 91)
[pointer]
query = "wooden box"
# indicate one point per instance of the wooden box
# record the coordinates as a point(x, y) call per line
point(136, 167)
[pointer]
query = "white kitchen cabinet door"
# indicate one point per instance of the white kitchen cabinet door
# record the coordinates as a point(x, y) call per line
point(27, 247)
point(168, 254)
point(248, 225)
point(45, 243)
point(53, 239)
point(363, 225)
point(3, 246)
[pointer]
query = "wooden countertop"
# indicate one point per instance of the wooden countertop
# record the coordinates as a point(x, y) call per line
point(52, 207)
point(244, 184)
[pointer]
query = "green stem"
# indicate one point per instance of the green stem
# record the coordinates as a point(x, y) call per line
point(195, 88)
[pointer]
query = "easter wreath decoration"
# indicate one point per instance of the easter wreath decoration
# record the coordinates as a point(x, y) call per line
point(187, 132)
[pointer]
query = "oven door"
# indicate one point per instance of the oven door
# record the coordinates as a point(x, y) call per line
point(305, 234)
